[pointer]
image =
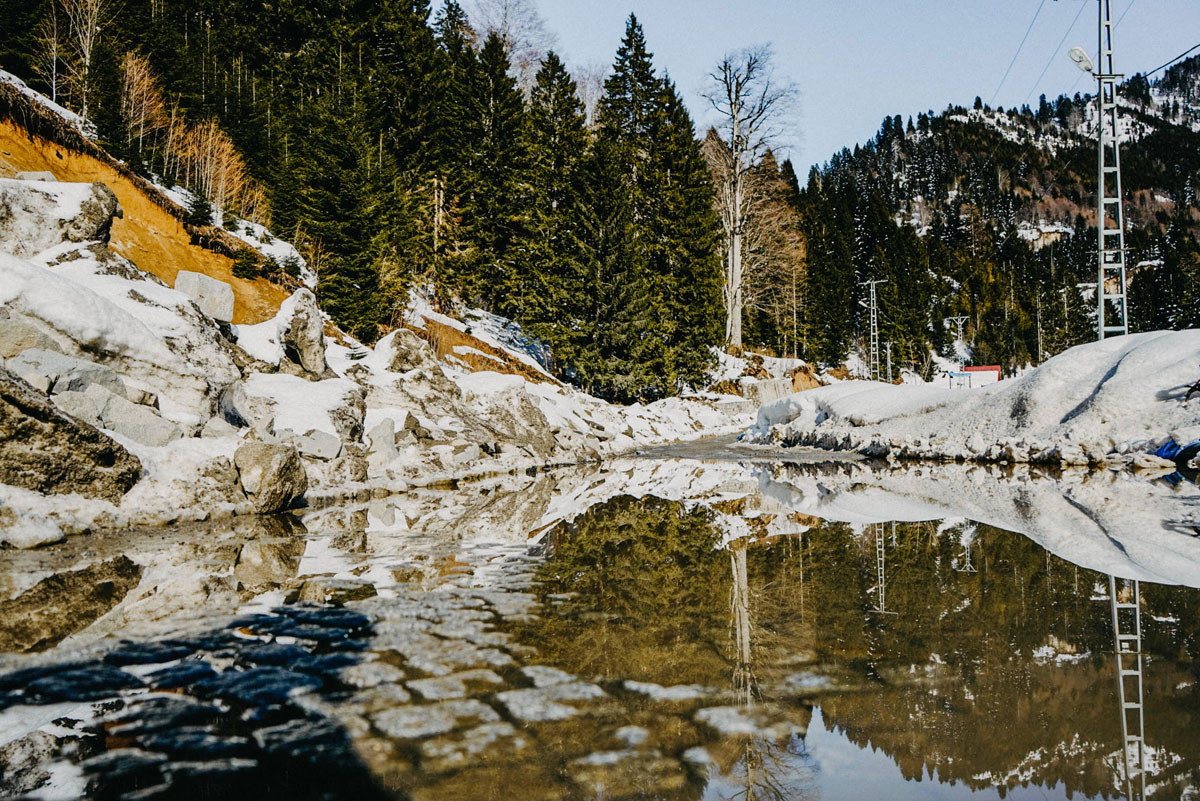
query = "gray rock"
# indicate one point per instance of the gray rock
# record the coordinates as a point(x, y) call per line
point(304, 333)
point(410, 352)
point(31, 221)
point(409, 722)
point(66, 373)
point(348, 416)
point(215, 298)
point(18, 336)
point(319, 445)
point(45, 450)
point(272, 476)
point(549, 703)
point(216, 428)
point(137, 422)
point(80, 405)
point(381, 444)
point(456, 685)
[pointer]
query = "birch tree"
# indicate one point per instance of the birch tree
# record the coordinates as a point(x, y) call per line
point(84, 18)
point(750, 102)
point(48, 50)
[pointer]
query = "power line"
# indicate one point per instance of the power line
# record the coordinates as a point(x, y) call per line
point(1014, 58)
point(1172, 61)
point(1057, 49)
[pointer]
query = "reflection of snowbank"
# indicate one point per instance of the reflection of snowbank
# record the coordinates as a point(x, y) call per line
point(1106, 521)
point(1093, 403)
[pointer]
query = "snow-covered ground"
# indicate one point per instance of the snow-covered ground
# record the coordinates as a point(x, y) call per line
point(1111, 402)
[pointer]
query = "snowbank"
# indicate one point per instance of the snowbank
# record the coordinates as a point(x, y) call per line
point(1101, 402)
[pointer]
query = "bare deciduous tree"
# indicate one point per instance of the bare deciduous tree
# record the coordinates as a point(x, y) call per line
point(523, 31)
point(48, 50)
point(750, 103)
point(589, 86)
point(84, 19)
point(142, 105)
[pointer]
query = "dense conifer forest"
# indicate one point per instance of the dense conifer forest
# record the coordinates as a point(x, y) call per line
point(403, 149)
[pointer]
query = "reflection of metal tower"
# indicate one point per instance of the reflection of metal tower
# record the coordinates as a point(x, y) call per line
point(880, 568)
point(1127, 633)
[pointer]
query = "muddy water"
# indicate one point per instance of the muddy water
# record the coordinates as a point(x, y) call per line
point(656, 628)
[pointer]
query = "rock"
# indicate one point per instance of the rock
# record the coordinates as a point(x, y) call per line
point(216, 428)
point(409, 352)
point(456, 685)
point(381, 444)
point(18, 335)
point(547, 703)
point(371, 674)
point(215, 298)
point(410, 722)
point(347, 417)
point(303, 332)
point(319, 445)
point(44, 450)
point(142, 397)
point(66, 373)
point(272, 476)
point(38, 215)
point(335, 591)
point(64, 603)
point(138, 423)
point(80, 405)
point(35, 175)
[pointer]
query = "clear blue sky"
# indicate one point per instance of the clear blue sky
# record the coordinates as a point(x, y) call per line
point(856, 60)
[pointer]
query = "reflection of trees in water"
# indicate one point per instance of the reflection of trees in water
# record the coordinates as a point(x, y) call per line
point(653, 598)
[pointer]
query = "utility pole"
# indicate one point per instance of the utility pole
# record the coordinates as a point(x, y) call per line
point(873, 305)
point(1112, 308)
point(888, 345)
point(958, 323)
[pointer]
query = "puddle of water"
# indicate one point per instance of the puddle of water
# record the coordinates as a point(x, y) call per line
point(649, 629)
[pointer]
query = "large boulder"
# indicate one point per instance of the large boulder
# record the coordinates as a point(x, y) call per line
point(215, 298)
point(408, 352)
point(272, 475)
point(45, 450)
point(37, 215)
point(65, 373)
point(303, 332)
point(156, 339)
point(135, 421)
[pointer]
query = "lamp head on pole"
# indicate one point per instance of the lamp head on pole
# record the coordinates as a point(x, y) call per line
point(1081, 59)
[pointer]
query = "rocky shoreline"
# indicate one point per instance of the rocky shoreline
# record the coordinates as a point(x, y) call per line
point(124, 402)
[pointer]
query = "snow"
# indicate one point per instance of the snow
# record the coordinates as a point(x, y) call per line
point(1098, 400)
point(300, 405)
point(86, 128)
point(77, 310)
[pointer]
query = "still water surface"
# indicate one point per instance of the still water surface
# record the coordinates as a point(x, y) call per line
point(674, 629)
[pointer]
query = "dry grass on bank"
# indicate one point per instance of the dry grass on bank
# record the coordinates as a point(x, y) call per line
point(148, 235)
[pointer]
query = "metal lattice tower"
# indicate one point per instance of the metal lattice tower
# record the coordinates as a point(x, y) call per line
point(1113, 318)
point(1127, 633)
point(873, 305)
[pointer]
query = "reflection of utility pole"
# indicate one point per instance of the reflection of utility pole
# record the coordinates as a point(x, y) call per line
point(881, 568)
point(739, 602)
point(873, 305)
point(1127, 633)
